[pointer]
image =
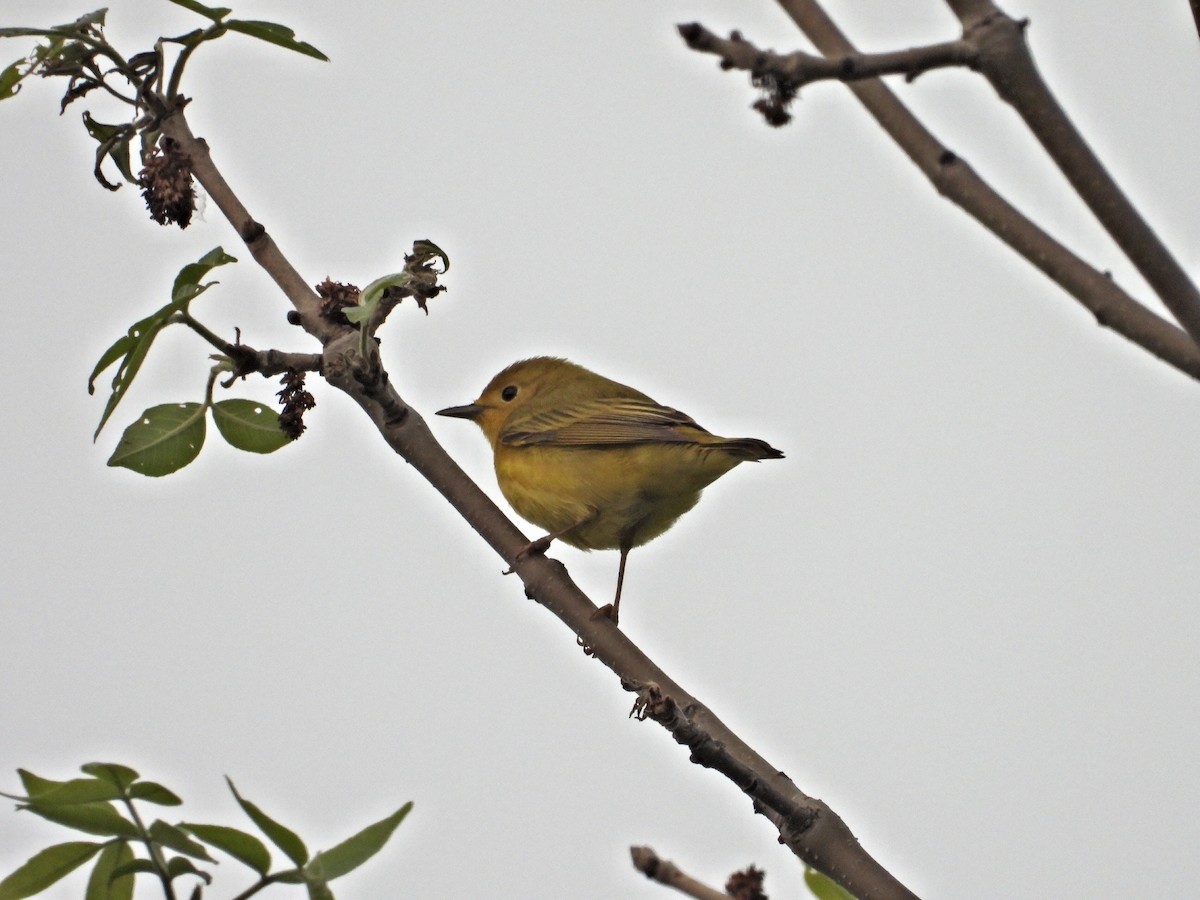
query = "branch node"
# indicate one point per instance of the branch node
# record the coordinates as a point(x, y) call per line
point(251, 231)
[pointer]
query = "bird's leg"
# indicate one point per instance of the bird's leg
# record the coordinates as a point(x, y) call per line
point(542, 544)
point(611, 610)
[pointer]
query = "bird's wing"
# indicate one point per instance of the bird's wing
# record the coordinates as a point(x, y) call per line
point(607, 420)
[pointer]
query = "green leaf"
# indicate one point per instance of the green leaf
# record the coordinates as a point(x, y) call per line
point(249, 426)
point(132, 347)
point(368, 300)
point(165, 439)
point(181, 865)
point(823, 887)
point(114, 773)
point(273, 33)
point(216, 13)
point(283, 838)
point(83, 23)
point(133, 867)
point(10, 80)
point(187, 282)
point(243, 847)
point(27, 32)
point(78, 790)
point(101, 884)
point(113, 143)
point(45, 868)
point(153, 792)
point(318, 889)
point(175, 839)
point(131, 350)
point(354, 851)
point(99, 818)
point(35, 784)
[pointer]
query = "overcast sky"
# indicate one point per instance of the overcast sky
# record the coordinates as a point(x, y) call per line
point(962, 611)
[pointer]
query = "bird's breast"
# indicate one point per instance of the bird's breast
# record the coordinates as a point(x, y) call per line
point(606, 496)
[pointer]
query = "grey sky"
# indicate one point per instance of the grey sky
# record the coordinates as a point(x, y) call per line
point(963, 611)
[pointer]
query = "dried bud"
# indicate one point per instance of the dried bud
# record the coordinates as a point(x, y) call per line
point(166, 182)
point(335, 297)
point(296, 402)
point(778, 94)
point(746, 884)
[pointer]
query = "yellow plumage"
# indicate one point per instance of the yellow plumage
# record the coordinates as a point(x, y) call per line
point(599, 465)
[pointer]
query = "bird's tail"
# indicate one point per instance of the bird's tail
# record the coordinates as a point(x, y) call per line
point(748, 448)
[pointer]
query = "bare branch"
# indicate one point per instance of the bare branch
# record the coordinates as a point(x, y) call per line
point(1005, 60)
point(958, 182)
point(650, 864)
point(799, 68)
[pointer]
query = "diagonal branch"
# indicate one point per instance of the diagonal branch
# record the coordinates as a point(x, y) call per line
point(1005, 60)
point(956, 180)
point(813, 830)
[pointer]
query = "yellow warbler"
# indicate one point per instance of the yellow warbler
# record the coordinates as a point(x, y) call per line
point(599, 465)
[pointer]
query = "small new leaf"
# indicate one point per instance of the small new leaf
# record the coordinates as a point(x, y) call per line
point(823, 887)
point(45, 868)
point(249, 426)
point(354, 851)
point(165, 439)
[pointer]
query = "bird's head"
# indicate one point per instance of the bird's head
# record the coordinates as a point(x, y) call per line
point(515, 388)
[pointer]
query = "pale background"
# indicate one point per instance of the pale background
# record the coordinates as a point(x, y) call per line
point(963, 611)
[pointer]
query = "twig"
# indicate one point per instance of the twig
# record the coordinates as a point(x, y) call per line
point(799, 68)
point(650, 864)
point(1005, 60)
point(959, 183)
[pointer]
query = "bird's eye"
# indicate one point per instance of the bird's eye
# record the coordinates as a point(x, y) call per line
point(508, 393)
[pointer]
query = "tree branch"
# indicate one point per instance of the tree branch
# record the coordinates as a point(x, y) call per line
point(799, 68)
point(819, 836)
point(954, 178)
point(1005, 60)
point(255, 236)
point(654, 867)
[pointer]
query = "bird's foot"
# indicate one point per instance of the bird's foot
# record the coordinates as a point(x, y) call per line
point(538, 547)
point(607, 611)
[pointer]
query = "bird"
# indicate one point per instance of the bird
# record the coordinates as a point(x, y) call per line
point(598, 464)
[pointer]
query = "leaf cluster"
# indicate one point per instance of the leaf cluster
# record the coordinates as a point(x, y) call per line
point(167, 437)
point(105, 804)
point(144, 82)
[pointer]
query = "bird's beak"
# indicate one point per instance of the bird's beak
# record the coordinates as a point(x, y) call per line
point(470, 411)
